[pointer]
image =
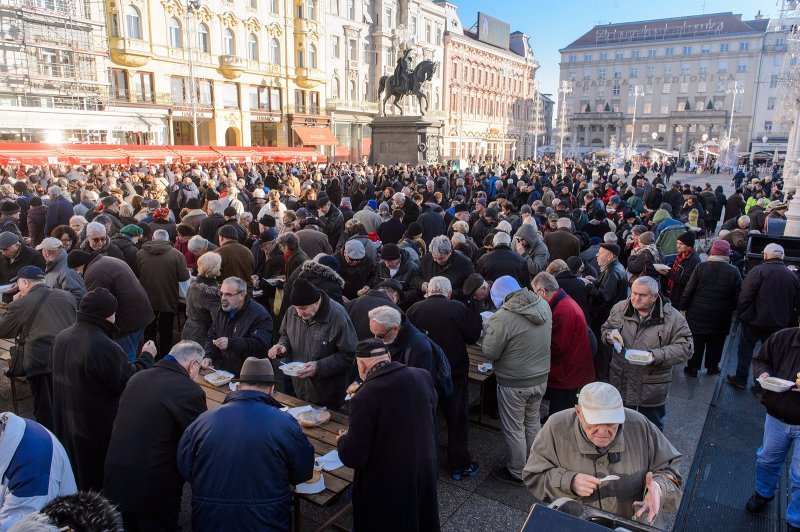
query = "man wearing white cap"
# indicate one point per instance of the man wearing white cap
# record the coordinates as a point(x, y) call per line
point(577, 449)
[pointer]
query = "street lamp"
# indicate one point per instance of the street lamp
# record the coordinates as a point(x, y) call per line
point(737, 87)
point(191, 31)
point(637, 91)
point(564, 88)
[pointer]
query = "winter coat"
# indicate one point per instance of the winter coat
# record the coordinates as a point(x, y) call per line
point(561, 451)
point(36, 222)
point(432, 225)
point(109, 249)
point(502, 260)
point(734, 207)
point(710, 297)
point(770, 297)
point(332, 224)
point(408, 275)
point(518, 338)
point(154, 410)
point(191, 259)
point(576, 290)
point(780, 357)
point(643, 262)
point(295, 260)
point(128, 249)
point(412, 347)
point(329, 340)
point(457, 268)
point(249, 334)
point(665, 334)
point(185, 193)
point(59, 212)
point(202, 304)
point(370, 219)
point(536, 256)
point(58, 275)
point(319, 275)
point(610, 288)
point(451, 325)
point(37, 331)
point(237, 261)
point(480, 229)
point(562, 244)
point(410, 211)
point(236, 490)
point(194, 218)
point(571, 365)
point(165, 225)
point(681, 278)
point(27, 256)
point(356, 277)
point(35, 468)
point(134, 311)
point(313, 242)
point(391, 231)
point(358, 310)
point(209, 226)
point(89, 373)
point(161, 267)
point(393, 421)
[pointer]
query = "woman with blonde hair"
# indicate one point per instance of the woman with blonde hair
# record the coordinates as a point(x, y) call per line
point(202, 298)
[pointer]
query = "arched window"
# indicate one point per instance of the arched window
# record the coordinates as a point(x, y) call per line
point(175, 35)
point(133, 23)
point(203, 40)
point(275, 52)
point(366, 91)
point(335, 88)
point(353, 95)
point(228, 42)
point(300, 59)
point(311, 9)
point(312, 56)
point(252, 47)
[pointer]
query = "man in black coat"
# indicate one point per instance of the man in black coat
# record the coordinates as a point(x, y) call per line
point(403, 496)
point(502, 260)
point(397, 264)
point(442, 260)
point(331, 220)
point(358, 308)
point(90, 372)
point(432, 222)
point(391, 231)
point(15, 256)
point(209, 226)
point(141, 471)
point(452, 325)
point(674, 198)
point(574, 286)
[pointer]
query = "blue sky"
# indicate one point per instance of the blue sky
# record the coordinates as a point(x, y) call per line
point(553, 25)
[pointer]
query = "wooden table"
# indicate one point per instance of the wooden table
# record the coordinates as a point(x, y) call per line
point(322, 438)
point(477, 358)
point(5, 363)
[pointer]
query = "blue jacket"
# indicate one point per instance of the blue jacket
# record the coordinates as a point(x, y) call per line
point(58, 213)
point(240, 459)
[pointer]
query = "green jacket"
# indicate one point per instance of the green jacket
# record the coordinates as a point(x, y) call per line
point(517, 340)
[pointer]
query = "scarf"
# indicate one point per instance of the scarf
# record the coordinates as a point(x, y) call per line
point(677, 265)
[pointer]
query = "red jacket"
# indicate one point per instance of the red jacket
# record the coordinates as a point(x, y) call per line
point(571, 365)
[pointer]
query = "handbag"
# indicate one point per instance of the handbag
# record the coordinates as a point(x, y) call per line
point(16, 366)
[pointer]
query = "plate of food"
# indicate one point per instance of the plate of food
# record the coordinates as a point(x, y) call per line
point(638, 357)
point(219, 378)
point(774, 384)
point(662, 268)
point(292, 368)
point(313, 418)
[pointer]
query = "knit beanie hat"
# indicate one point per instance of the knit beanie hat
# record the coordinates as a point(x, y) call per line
point(688, 238)
point(304, 293)
point(132, 230)
point(414, 229)
point(99, 302)
point(721, 248)
point(78, 257)
point(330, 261)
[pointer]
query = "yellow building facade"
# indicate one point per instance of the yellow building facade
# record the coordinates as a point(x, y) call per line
point(257, 68)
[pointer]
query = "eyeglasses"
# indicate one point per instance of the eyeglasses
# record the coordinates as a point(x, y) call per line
point(226, 295)
point(97, 239)
point(384, 335)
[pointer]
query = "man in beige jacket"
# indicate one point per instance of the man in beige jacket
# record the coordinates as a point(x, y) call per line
point(576, 450)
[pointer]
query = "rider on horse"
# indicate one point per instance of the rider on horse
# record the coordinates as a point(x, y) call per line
point(403, 72)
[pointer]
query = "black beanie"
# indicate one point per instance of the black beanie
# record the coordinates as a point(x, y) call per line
point(78, 257)
point(99, 302)
point(688, 238)
point(390, 252)
point(414, 229)
point(303, 293)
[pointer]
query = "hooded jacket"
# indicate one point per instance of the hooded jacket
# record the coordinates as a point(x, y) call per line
point(319, 275)
point(202, 304)
point(161, 267)
point(518, 340)
point(128, 249)
point(536, 255)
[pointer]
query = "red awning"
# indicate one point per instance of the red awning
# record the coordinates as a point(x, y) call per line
point(138, 153)
point(197, 154)
point(94, 153)
point(276, 154)
point(316, 136)
point(240, 154)
point(15, 153)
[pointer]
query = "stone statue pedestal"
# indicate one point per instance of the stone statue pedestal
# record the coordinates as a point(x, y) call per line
point(406, 139)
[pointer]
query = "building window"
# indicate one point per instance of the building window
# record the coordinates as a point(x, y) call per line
point(133, 23)
point(634, 72)
point(668, 50)
point(603, 56)
point(651, 70)
point(413, 26)
point(275, 52)
point(275, 99)
point(684, 69)
point(587, 57)
point(335, 88)
point(722, 68)
point(601, 73)
point(228, 43)
point(666, 88)
point(203, 40)
point(619, 55)
point(667, 70)
point(703, 68)
point(428, 32)
point(205, 92)
point(651, 53)
point(252, 47)
point(387, 17)
point(273, 6)
point(617, 73)
point(770, 103)
point(687, 50)
point(683, 88)
point(335, 46)
point(768, 125)
point(261, 99)
point(353, 47)
point(142, 87)
point(314, 102)
point(335, 7)
point(230, 96)
point(664, 109)
point(723, 47)
point(311, 9)
point(615, 90)
point(119, 84)
point(300, 59)
point(176, 89)
point(312, 56)
point(635, 54)
point(705, 49)
point(351, 9)
point(701, 86)
point(253, 4)
point(175, 34)
point(573, 58)
point(720, 86)
point(741, 66)
point(773, 81)
point(438, 35)
point(647, 108)
point(744, 46)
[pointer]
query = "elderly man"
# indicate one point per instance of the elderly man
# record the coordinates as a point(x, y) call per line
point(97, 241)
point(386, 294)
point(392, 421)
point(15, 256)
point(561, 243)
point(577, 448)
point(502, 260)
point(294, 256)
point(738, 236)
point(453, 326)
point(237, 260)
point(405, 342)
point(242, 328)
point(59, 211)
point(33, 319)
point(155, 408)
point(571, 364)
point(442, 260)
point(517, 340)
point(210, 225)
point(312, 240)
point(242, 458)
point(57, 273)
point(331, 220)
point(356, 268)
point(646, 322)
point(399, 265)
point(769, 301)
point(407, 205)
point(477, 291)
point(610, 287)
point(161, 268)
point(318, 332)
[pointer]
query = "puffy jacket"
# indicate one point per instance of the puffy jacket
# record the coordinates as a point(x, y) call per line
point(536, 256)
point(58, 275)
point(518, 340)
point(770, 297)
point(241, 460)
point(710, 297)
point(664, 333)
point(249, 334)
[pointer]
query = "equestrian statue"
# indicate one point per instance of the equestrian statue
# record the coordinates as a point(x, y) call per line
point(406, 81)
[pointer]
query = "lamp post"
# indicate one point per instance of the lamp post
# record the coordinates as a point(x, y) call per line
point(637, 91)
point(564, 88)
point(737, 87)
point(191, 31)
point(537, 121)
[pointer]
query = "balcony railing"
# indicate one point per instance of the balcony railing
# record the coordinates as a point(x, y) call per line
point(602, 115)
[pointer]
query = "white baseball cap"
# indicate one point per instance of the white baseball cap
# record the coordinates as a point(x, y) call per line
point(601, 404)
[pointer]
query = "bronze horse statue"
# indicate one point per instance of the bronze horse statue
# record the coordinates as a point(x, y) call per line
point(422, 72)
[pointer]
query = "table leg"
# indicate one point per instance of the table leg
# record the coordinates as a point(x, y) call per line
point(331, 523)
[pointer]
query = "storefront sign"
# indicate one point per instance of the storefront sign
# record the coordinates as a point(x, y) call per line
point(188, 114)
point(265, 118)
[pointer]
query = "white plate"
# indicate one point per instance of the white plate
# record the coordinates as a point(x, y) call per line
point(292, 368)
point(661, 267)
point(219, 378)
point(774, 384)
point(486, 367)
point(5, 288)
point(630, 353)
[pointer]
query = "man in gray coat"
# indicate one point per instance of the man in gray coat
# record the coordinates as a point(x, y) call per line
point(56, 273)
point(317, 332)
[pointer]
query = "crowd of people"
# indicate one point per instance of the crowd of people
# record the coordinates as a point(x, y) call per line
point(377, 279)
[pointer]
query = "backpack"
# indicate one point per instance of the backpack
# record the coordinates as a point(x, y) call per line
point(443, 377)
